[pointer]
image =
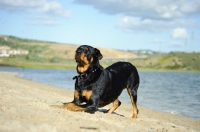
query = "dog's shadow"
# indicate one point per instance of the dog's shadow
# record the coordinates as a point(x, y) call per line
point(105, 111)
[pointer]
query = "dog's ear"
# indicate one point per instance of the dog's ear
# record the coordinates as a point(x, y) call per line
point(98, 54)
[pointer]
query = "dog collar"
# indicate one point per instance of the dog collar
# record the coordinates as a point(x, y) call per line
point(83, 75)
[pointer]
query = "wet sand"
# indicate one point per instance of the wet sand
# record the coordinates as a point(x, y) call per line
point(25, 106)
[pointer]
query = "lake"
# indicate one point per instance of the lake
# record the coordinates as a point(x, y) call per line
point(173, 92)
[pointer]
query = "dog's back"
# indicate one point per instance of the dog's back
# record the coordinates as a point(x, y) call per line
point(123, 70)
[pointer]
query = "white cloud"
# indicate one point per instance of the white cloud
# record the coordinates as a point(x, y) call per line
point(179, 33)
point(136, 24)
point(146, 15)
point(35, 6)
point(160, 9)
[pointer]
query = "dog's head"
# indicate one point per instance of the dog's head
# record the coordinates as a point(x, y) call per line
point(85, 56)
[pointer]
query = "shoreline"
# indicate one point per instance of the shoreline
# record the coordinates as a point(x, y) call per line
point(25, 106)
point(72, 67)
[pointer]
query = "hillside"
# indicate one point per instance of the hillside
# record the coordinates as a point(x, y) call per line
point(49, 54)
point(43, 54)
point(170, 61)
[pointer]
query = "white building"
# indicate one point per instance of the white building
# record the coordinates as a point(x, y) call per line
point(5, 51)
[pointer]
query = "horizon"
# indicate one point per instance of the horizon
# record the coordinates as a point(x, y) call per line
point(129, 50)
point(157, 25)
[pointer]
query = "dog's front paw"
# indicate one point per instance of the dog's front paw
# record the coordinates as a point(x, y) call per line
point(67, 105)
point(72, 107)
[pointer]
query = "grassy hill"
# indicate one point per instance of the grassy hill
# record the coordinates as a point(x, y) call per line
point(170, 61)
point(43, 54)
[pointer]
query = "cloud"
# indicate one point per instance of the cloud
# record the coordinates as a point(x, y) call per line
point(145, 15)
point(160, 9)
point(51, 8)
point(179, 33)
point(137, 24)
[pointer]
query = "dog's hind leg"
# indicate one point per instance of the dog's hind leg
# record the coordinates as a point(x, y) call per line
point(133, 96)
point(116, 104)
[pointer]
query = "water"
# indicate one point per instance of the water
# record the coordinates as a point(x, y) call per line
point(173, 92)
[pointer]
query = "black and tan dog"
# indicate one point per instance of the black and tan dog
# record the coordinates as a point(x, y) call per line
point(96, 87)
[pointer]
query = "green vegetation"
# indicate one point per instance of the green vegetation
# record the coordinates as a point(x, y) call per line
point(179, 61)
point(44, 54)
point(41, 54)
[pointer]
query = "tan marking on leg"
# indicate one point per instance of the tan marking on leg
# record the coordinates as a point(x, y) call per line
point(76, 94)
point(87, 94)
point(133, 103)
point(72, 106)
point(114, 107)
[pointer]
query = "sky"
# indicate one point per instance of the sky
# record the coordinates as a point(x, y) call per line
point(158, 25)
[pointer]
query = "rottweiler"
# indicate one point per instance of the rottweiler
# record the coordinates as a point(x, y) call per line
point(96, 87)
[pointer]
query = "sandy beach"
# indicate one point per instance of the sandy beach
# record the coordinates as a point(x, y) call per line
point(25, 106)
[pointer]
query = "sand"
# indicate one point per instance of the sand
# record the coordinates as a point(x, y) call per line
point(25, 106)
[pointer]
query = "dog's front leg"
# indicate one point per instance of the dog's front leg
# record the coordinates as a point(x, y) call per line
point(74, 104)
point(90, 106)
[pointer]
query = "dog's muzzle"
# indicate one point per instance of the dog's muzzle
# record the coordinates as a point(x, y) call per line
point(78, 57)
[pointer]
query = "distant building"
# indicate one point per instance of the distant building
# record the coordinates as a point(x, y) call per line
point(5, 51)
